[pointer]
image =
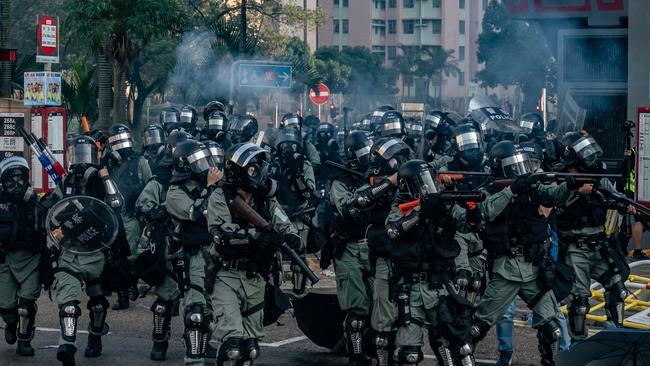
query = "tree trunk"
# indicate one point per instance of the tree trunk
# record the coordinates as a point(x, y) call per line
point(103, 91)
point(241, 97)
point(119, 97)
point(5, 66)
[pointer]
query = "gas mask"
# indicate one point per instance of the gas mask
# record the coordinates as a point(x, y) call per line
point(253, 176)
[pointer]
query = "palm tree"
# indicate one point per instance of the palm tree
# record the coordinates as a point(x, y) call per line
point(437, 63)
point(19, 68)
point(79, 90)
point(406, 65)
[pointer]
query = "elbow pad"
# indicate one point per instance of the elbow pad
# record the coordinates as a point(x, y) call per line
point(397, 229)
point(368, 196)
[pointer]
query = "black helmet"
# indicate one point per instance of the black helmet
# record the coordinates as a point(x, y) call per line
point(243, 128)
point(387, 155)
point(326, 132)
point(366, 123)
point(119, 137)
point(176, 137)
point(217, 124)
point(509, 160)
point(414, 127)
point(83, 151)
point(312, 121)
point(415, 179)
point(246, 166)
point(291, 120)
point(170, 119)
point(535, 154)
point(154, 136)
point(212, 106)
point(13, 167)
point(288, 144)
point(392, 125)
point(580, 150)
point(357, 150)
point(438, 123)
point(188, 118)
point(217, 155)
point(376, 117)
point(190, 159)
point(532, 123)
point(468, 143)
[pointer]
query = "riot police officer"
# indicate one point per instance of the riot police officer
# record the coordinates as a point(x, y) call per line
point(216, 129)
point(414, 134)
point(296, 184)
point(353, 198)
point(83, 267)
point(387, 155)
point(375, 120)
point(423, 255)
point(131, 172)
point(245, 250)
point(516, 238)
point(194, 176)
point(295, 121)
point(392, 125)
point(580, 225)
point(153, 140)
point(243, 128)
point(170, 119)
point(20, 252)
point(188, 119)
point(438, 135)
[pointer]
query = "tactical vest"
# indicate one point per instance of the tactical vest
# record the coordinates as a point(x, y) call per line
point(581, 211)
point(128, 182)
point(355, 227)
point(287, 195)
point(193, 234)
point(18, 227)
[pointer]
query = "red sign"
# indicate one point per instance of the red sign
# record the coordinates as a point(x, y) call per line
point(536, 9)
point(323, 94)
point(47, 36)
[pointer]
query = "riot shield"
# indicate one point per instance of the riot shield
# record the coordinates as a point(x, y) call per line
point(82, 225)
point(490, 116)
point(320, 317)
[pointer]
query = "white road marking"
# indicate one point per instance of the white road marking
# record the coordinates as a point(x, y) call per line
point(284, 342)
point(490, 362)
point(56, 330)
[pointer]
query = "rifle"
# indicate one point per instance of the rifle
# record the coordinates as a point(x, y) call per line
point(343, 168)
point(459, 175)
point(53, 168)
point(619, 197)
point(553, 176)
point(245, 212)
point(446, 196)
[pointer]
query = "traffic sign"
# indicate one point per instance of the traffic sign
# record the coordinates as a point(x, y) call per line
point(265, 76)
point(323, 94)
point(47, 35)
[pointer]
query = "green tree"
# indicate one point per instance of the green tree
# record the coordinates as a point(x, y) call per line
point(117, 31)
point(406, 64)
point(434, 65)
point(79, 90)
point(19, 68)
point(514, 52)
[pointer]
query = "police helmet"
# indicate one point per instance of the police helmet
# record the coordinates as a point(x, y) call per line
point(83, 151)
point(357, 150)
point(416, 180)
point(119, 137)
point(509, 160)
point(291, 120)
point(246, 166)
point(392, 125)
point(188, 117)
point(580, 150)
point(387, 154)
point(217, 155)
point(170, 119)
point(217, 124)
point(212, 106)
point(154, 135)
point(191, 159)
point(535, 154)
point(243, 128)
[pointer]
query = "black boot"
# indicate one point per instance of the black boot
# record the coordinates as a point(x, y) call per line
point(159, 351)
point(94, 347)
point(122, 301)
point(65, 354)
point(24, 348)
point(10, 332)
point(133, 292)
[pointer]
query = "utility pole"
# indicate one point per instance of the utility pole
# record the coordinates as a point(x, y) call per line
point(241, 97)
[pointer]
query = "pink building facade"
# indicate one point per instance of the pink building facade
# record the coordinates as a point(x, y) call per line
point(385, 26)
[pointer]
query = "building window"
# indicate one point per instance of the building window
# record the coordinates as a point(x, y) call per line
point(461, 27)
point(346, 24)
point(380, 51)
point(392, 4)
point(461, 4)
point(409, 26)
point(436, 26)
point(345, 3)
point(392, 52)
point(380, 4)
point(461, 53)
point(336, 26)
point(379, 27)
point(409, 3)
point(437, 3)
point(392, 26)
point(461, 78)
point(336, 3)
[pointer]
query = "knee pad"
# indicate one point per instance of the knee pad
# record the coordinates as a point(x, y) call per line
point(162, 316)
point(614, 306)
point(250, 349)
point(479, 330)
point(68, 315)
point(26, 318)
point(577, 314)
point(409, 355)
point(98, 307)
point(550, 332)
point(354, 325)
point(383, 345)
point(229, 352)
point(197, 332)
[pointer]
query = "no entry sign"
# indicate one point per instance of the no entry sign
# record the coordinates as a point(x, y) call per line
point(323, 94)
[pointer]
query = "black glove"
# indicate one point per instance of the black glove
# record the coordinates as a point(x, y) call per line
point(522, 184)
point(292, 240)
point(572, 184)
point(431, 206)
point(462, 278)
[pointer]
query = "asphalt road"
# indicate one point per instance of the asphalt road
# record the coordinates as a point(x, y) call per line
point(129, 342)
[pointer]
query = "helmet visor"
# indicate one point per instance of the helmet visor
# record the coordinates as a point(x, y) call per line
point(216, 123)
point(422, 184)
point(516, 165)
point(200, 161)
point(187, 117)
point(121, 141)
point(83, 154)
point(293, 121)
point(169, 117)
point(468, 140)
point(526, 126)
point(587, 148)
point(216, 156)
point(433, 120)
point(152, 137)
